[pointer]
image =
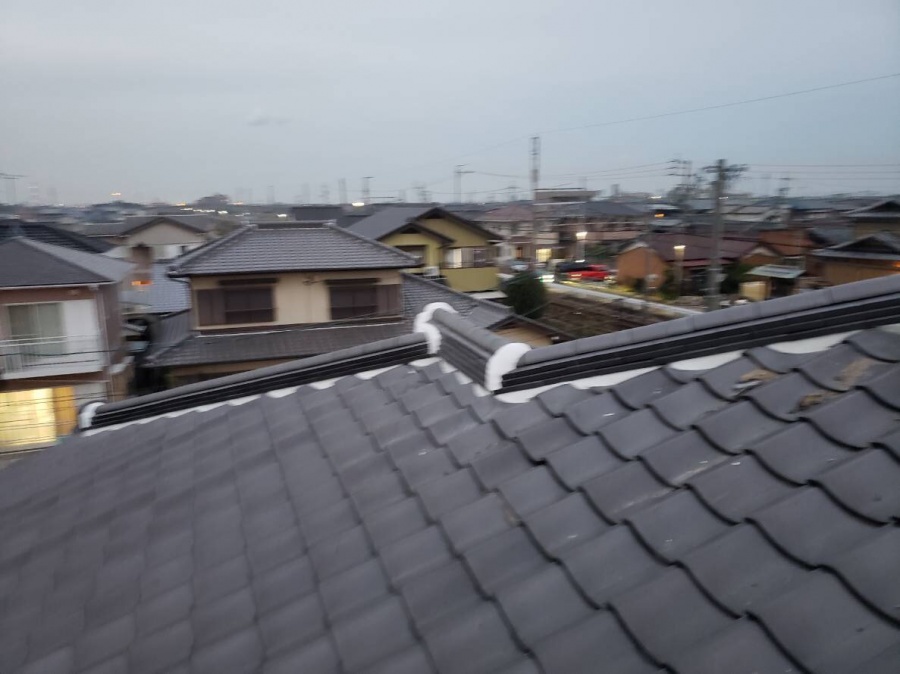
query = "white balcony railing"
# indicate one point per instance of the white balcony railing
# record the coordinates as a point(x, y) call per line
point(48, 355)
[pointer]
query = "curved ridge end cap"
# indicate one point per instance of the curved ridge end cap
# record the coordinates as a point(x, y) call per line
point(504, 360)
point(87, 412)
point(422, 324)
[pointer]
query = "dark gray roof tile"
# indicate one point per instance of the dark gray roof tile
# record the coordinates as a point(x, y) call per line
point(472, 642)
point(578, 649)
point(741, 569)
point(878, 343)
point(812, 528)
point(684, 406)
point(446, 429)
point(425, 466)
point(290, 581)
point(776, 361)
point(349, 591)
point(377, 492)
point(58, 662)
point(222, 617)
point(581, 461)
point(867, 484)
point(891, 442)
point(877, 558)
point(883, 663)
point(743, 648)
point(373, 634)
point(532, 490)
point(788, 395)
point(736, 427)
point(559, 398)
point(319, 656)
point(503, 559)
point(542, 604)
point(449, 493)
point(735, 377)
point(594, 413)
point(339, 553)
point(517, 418)
point(676, 524)
point(415, 554)
point(738, 487)
point(503, 463)
point(539, 441)
point(472, 523)
point(842, 367)
point(885, 386)
point(635, 433)
point(669, 614)
point(395, 522)
point(824, 627)
point(445, 590)
point(677, 460)
point(624, 490)
point(476, 442)
point(413, 660)
point(799, 452)
point(565, 524)
point(104, 642)
point(853, 419)
point(610, 564)
point(329, 521)
point(162, 650)
point(641, 390)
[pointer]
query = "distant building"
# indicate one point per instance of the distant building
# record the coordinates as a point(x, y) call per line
point(869, 256)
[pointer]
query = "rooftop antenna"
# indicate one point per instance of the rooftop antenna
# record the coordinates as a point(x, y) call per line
point(367, 189)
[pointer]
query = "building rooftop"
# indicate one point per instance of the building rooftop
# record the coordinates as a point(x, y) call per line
point(391, 218)
point(738, 512)
point(199, 223)
point(283, 249)
point(26, 263)
point(55, 236)
point(164, 295)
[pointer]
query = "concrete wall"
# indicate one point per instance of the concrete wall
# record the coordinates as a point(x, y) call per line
point(433, 253)
point(299, 297)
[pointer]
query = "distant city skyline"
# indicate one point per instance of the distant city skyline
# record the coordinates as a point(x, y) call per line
point(281, 101)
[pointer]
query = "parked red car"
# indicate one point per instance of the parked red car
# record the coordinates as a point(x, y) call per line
point(590, 272)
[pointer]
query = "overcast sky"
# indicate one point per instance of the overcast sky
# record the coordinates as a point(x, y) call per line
point(175, 100)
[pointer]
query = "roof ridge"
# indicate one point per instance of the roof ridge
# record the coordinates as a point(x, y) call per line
point(355, 235)
point(66, 254)
point(192, 256)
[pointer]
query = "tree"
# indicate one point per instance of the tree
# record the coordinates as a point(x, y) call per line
point(526, 295)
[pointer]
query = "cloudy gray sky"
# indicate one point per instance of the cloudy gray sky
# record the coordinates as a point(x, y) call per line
point(174, 100)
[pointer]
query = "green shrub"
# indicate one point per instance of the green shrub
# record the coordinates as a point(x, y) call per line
point(526, 295)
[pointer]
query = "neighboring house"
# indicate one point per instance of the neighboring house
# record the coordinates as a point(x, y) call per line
point(60, 338)
point(514, 224)
point(446, 245)
point(262, 296)
point(653, 259)
point(608, 223)
point(318, 214)
point(53, 235)
point(870, 256)
point(717, 494)
point(158, 237)
point(882, 216)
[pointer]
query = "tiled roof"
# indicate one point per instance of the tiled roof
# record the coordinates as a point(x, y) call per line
point(55, 236)
point(258, 250)
point(317, 213)
point(418, 292)
point(880, 246)
point(164, 295)
point(737, 513)
point(698, 248)
point(26, 263)
point(390, 219)
point(198, 223)
point(737, 518)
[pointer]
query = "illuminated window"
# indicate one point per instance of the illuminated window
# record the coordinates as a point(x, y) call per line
point(36, 418)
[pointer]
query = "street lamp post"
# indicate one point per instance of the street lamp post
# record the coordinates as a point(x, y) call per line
point(579, 250)
point(679, 267)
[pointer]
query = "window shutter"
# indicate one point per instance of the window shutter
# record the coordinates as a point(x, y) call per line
point(389, 299)
point(210, 307)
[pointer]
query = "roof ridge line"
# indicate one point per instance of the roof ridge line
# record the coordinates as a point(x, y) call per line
point(360, 237)
point(174, 270)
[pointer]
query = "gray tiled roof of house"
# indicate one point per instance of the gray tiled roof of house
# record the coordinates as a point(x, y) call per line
point(419, 292)
point(164, 295)
point(739, 516)
point(198, 223)
point(258, 250)
point(317, 213)
point(390, 219)
point(55, 236)
point(26, 263)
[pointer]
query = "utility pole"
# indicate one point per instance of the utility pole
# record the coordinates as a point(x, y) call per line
point(342, 190)
point(535, 184)
point(366, 189)
point(458, 173)
point(325, 194)
point(712, 273)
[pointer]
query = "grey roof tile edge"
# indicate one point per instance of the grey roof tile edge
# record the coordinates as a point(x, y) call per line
point(394, 351)
point(503, 313)
point(178, 268)
point(359, 237)
point(745, 316)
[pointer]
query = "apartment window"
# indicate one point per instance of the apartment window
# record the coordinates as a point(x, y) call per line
point(464, 258)
point(362, 298)
point(237, 303)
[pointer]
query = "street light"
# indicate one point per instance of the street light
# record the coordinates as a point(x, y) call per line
point(679, 266)
point(579, 250)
